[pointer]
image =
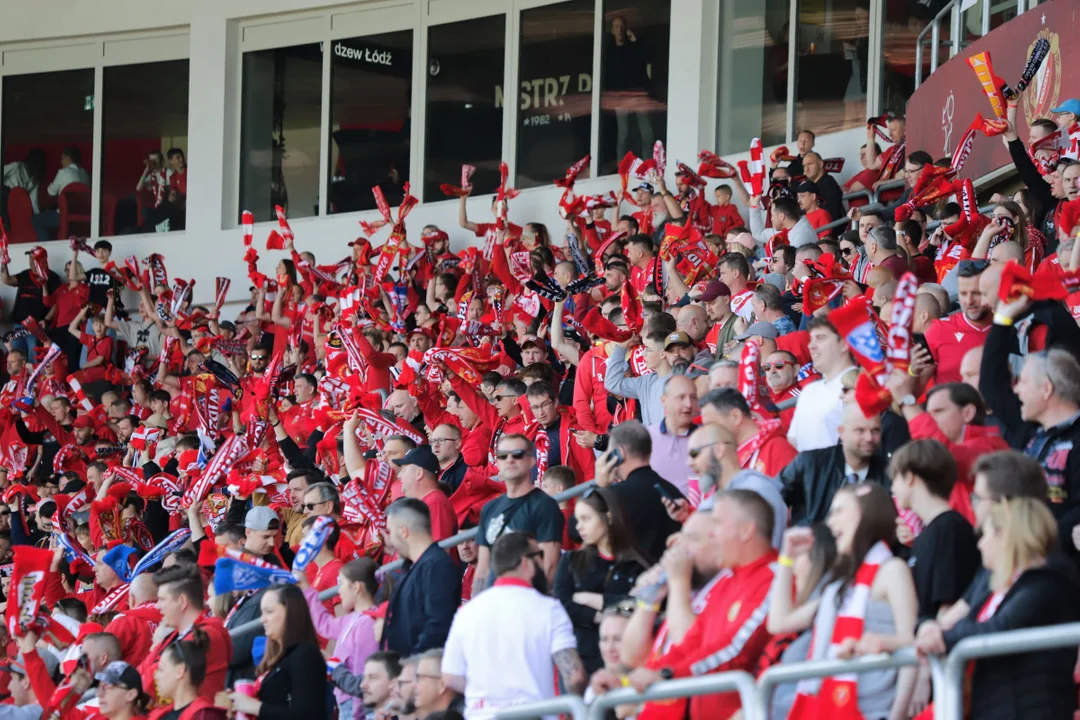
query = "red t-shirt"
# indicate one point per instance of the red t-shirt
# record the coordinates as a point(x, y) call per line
point(949, 339)
point(68, 302)
point(324, 578)
point(725, 217)
point(642, 277)
point(96, 348)
point(443, 518)
point(817, 218)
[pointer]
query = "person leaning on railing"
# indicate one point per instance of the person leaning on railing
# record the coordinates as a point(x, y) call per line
point(1025, 591)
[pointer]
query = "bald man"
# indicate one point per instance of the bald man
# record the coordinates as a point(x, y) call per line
point(814, 476)
point(714, 458)
point(134, 628)
point(670, 437)
point(939, 293)
point(927, 310)
point(1007, 252)
point(971, 366)
point(407, 408)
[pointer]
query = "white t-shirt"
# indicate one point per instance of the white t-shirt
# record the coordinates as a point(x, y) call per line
point(140, 333)
point(818, 413)
point(502, 643)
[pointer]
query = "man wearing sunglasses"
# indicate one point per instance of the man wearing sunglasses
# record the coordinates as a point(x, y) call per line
point(523, 508)
point(500, 417)
point(761, 445)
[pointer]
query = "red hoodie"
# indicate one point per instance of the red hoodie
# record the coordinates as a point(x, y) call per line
point(134, 629)
point(218, 657)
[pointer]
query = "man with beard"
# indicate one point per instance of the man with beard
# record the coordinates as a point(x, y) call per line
point(761, 443)
point(814, 477)
point(427, 594)
point(950, 338)
point(616, 273)
point(497, 660)
point(717, 301)
point(714, 459)
point(381, 670)
point(430, 694)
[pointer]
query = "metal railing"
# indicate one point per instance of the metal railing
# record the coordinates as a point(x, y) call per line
point(956, 31)
point(948, 693)
point(447, 543)
point(793, 672)
point(947, 677)
point(569, 704)
point(740, 682)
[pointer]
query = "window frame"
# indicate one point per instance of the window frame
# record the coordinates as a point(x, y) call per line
point(97, 54)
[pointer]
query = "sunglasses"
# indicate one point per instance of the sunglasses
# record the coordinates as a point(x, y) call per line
point(847, 251)
point(505, 397)
point(311, 506)
point(694, 452)
point(511, 454)
point(775, 366)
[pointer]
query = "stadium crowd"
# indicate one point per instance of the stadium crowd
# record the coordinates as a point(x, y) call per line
point(806, 442)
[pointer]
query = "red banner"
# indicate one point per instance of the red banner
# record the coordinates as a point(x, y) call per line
point(940, 110)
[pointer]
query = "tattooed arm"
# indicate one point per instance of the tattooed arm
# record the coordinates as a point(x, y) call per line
point(571, 670)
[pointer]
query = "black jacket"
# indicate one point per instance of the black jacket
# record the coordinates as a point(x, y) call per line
point(423, 604)
point(613, 580)
point(831, 198)
point(645, 510)
point(1029, 175)
point(1052, 447)
point(814, 476)
point(1028, 685)
point(242, 665)
point(297, 686)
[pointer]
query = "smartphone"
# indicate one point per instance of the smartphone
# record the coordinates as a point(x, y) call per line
point(616, 455)
point(665, 493)
point(920, 339)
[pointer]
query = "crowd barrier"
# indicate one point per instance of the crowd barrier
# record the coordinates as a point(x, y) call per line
point(947, 676)
point(875, 204)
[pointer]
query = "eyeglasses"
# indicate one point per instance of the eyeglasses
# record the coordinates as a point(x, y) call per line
point(776, 365)
point(428, 676)
point(440, 441)
point(511, 454)
point(541, 407)
point(694, 452)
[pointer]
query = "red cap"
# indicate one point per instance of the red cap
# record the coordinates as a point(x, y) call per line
point(84, 421)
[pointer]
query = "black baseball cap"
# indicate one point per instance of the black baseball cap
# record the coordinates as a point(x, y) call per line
point(421, 456)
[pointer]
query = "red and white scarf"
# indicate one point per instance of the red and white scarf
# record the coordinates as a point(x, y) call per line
point(838, 695)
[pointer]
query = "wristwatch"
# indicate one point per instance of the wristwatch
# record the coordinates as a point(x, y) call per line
point(908, 400)
point(666, 673)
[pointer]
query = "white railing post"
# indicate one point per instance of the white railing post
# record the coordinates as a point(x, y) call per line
point(563, 704)
point(935, 44)
point(956, 29)
point(985, 18)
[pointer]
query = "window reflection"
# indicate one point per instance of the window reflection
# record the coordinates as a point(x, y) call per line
point(279, 137)
point(144, 138)
point(555, 119)
point(753, 73)
point(464, 103)
point(833, 43)
point(634, 78)
point(370, 119)
point(47, 155)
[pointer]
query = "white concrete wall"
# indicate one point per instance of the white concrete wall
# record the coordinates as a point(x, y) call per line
point(206, 250)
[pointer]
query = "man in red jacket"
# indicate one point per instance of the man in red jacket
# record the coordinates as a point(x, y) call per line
point(761, 444)
point(502, 418)
point(730, 633)
point(561, 427)
point(182, 606)
point(134, 627)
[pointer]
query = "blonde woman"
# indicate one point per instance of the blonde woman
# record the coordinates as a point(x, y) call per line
point(1025, 591)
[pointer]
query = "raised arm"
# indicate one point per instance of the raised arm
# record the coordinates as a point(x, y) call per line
point(873, 157)
point(6, 277)
point(463, 216)
point(77, 323)
point(558, 336)
point(354, 458)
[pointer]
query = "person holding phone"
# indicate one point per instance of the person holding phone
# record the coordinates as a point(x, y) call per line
point(601, 573)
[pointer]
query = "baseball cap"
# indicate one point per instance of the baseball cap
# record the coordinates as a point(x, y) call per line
point(645, 186)
point(807, 186)
point(713, 290)
point(261, 517)
point(759, 329)
point(1072, 105)
point(677, 338)
point(421, 456)
point(18, 665)
point(119, 674)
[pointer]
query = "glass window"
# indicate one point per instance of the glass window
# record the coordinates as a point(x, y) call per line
point(634, 79)
point(903, 23)
point(279, 137)
point(48, 143)
point(753, 73)
point(555, 72)
point(833, 39)
point(464, 103)
point(370, 119)
point(144, 141)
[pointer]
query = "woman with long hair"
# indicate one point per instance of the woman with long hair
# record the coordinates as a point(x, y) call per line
point(179, 675)
point(1018, 535)
point(601, 573)
point(868, 605)
point(1010, 223)
point(853, 255)
point(354, 632)
point(291, 679)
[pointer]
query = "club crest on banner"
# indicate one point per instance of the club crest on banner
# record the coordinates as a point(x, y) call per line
point(1046, 85)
